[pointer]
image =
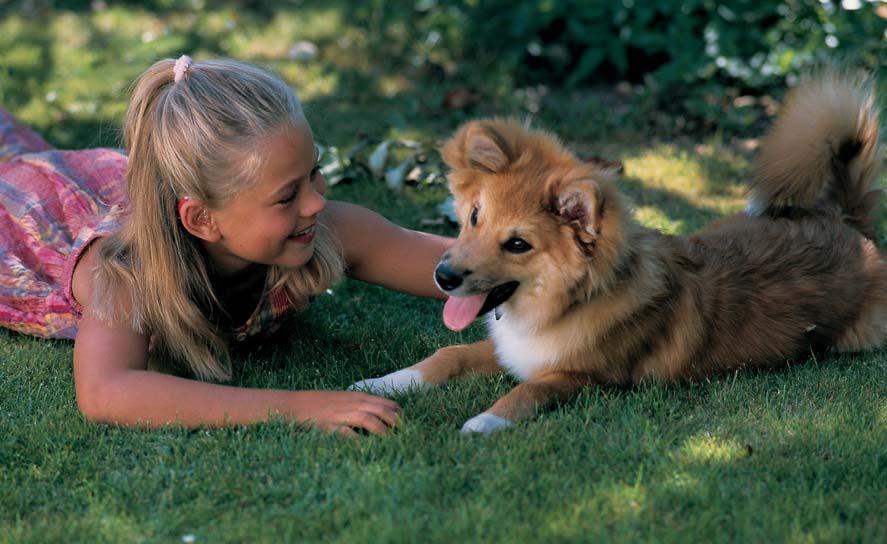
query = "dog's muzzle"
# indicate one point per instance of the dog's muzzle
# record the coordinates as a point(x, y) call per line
point(447, 277)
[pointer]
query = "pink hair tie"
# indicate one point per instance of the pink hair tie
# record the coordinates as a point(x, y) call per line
point(182, 64)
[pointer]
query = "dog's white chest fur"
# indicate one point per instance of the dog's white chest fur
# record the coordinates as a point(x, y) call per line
point(523, 353)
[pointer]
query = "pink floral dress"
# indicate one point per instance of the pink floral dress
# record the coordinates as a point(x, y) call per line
point(53, 204)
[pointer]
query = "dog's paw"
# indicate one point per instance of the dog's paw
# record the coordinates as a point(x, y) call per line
point(401, 381)
point(485, 423)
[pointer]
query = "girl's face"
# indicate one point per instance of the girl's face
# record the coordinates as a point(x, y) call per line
point(273, 222)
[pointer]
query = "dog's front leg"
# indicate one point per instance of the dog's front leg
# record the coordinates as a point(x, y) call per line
point(523, 401)
point(445, 363)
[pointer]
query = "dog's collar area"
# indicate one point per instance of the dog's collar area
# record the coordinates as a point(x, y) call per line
point(498, 295)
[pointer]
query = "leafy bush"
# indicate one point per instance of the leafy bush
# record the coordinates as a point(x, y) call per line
point(689, 55)
point(751, 43)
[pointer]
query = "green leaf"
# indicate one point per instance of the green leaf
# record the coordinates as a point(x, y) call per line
point(588, 63)
point(616, 55)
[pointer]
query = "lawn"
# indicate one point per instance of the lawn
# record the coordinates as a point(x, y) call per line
point(794, 455)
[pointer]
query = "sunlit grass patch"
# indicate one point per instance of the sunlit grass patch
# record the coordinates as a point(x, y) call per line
point(655, 218)
point(710, 449)
point(699, 173)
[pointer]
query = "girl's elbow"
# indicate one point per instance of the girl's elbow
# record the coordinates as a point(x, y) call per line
point(94, 402)
point(90, 407)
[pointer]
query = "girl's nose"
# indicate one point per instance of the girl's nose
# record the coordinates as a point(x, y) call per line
point(315, 202)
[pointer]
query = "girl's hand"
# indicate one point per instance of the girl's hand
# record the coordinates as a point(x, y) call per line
point(342, 412)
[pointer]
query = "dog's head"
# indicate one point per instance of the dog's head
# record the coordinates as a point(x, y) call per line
point(540, 228)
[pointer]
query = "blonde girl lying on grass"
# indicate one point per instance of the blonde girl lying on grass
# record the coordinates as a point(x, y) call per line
point(221, 228)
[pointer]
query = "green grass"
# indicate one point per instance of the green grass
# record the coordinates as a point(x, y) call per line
point(794, 455)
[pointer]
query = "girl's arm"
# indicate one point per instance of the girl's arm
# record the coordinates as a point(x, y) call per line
point(113, 385)
point(378, 251)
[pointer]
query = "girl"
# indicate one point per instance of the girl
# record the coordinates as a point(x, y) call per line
point(221, 229)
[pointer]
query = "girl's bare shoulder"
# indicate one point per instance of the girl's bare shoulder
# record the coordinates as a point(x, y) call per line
point(84, 272)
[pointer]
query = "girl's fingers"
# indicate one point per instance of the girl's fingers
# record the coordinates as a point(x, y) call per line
point(384, 413)
point(374, 414)
point(343, 430)
point(368, 421)
point(381, 401)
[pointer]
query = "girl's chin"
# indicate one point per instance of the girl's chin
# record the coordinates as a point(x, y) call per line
point(299, 257)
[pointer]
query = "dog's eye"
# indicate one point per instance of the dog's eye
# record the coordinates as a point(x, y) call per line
point(473, 219)
point(516, 245)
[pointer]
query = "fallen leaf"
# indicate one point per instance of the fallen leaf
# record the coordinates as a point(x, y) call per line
point(394, 177)
point(376, 162)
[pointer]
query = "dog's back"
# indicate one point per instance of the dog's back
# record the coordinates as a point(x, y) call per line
point(802, 272)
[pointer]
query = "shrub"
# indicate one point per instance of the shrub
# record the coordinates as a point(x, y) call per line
point(688, 55)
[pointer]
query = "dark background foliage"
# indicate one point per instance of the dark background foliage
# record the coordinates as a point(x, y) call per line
point(694, 57)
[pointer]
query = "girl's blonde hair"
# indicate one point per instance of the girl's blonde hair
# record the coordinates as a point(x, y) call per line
point(196, 137)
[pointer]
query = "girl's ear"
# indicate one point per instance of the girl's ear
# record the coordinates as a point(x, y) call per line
point(197, 219)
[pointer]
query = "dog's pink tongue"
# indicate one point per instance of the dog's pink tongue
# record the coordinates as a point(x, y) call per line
point(459, 312)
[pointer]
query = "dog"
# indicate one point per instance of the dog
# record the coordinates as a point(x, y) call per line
point(578, 293)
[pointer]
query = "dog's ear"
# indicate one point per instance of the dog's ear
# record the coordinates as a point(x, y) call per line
point(487, 149)
point(580, 204)
point(478, 145)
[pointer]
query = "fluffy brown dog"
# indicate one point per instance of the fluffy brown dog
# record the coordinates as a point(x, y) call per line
point(585, 295)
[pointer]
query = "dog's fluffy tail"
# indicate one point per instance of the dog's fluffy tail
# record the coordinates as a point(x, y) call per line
point(822, 152)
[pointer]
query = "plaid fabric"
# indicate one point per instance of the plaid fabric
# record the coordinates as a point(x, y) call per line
point(53, 204)
point(266, 319)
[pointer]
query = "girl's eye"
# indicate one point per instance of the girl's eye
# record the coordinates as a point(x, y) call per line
point(516, 245)
point(288, 199)
point(473, 218)
point(291, 197)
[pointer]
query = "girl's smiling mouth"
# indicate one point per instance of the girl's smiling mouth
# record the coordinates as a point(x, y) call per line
point(305, 235)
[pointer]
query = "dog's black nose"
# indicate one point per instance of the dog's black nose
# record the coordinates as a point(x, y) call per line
point(447, 278)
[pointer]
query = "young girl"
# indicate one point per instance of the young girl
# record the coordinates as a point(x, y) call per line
point(221, 229)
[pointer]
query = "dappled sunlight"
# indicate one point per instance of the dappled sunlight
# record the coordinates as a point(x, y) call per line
point(619, 503)
point(708, 449)
point(123, 23)
point(681, 481)
point(833, 531)
point(393, 85)
point(54, 65)
point(73, 33)
point(275, 40)
point(882, 417)
point(691, 174)
point(653, 217)
point(111, 521)
point(663, 167)
point(680, 192)
point(310, 82)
